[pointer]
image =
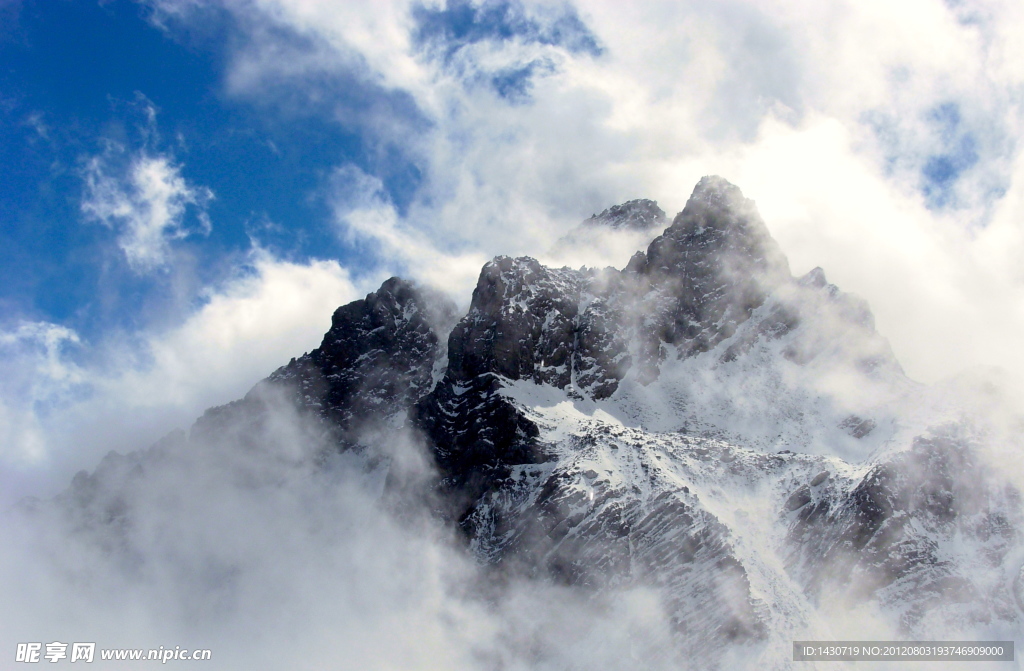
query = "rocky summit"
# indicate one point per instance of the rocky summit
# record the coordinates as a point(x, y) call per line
point(640, 214)
point(700, 423)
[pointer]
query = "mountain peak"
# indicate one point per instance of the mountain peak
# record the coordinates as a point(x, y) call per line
point(713, 188)
point(377, 357)
point(721, 229)
point(719, 205)
point(638, 215)
point(815, 278)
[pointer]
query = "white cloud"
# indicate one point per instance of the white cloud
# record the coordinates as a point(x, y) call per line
point(58, 416)
point(246, 328)
point(35, 370)
point(944, 291)
point(366, 216)
point(146, 202)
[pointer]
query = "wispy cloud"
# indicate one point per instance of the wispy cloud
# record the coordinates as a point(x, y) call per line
point(366, 216)
point(146, 200)
point(37, 374)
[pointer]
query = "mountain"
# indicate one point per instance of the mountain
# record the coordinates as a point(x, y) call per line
point(638, 215)
point(610, 237)
point(700, 424)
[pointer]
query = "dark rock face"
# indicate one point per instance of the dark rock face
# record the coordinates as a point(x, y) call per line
point(858, 427)
point(580, 527)
point(632, 223)
point(707, 273)
point(520, 325)
point(373, 364)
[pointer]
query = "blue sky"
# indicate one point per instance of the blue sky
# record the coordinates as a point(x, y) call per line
point(79, 76)
point(188, 189)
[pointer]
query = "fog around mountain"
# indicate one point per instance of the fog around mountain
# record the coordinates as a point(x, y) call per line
point(688, 461)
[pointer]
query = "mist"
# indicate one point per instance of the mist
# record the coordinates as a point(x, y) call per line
point(259, 542)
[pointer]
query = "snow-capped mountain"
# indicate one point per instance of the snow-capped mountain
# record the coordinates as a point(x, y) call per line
point(700, 423)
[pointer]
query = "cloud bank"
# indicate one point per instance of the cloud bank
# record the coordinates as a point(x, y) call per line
point(67, 403)
point(247, 543)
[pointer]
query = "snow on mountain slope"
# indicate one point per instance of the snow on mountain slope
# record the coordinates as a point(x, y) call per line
point(697, 518)
point(749, 546)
